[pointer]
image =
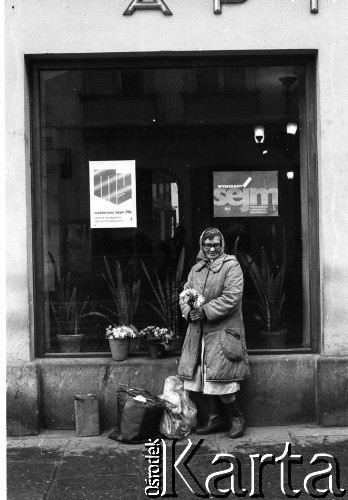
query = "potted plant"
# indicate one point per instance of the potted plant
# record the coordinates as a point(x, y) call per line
point(124, 300)
point(119, 339)
point(67, 312)
point(157, 338)
point(166, 294)
point(269, 284)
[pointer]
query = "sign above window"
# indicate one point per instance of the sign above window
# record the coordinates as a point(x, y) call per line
point(162, 6)
point(245, 194)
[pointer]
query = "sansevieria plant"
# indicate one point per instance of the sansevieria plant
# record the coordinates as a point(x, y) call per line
point(125, 297)
point(269, 284)
point(166, 293)
point(66, 309)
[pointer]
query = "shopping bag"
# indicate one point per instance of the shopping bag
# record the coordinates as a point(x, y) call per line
point(181, 417)
point(139, 415)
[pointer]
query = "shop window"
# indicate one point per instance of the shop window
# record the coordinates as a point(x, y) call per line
point(216, 141)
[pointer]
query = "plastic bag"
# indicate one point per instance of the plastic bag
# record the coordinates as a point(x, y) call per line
point(178, 421)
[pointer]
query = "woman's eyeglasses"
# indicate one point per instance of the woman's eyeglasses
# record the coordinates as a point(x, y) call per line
point(208, 246)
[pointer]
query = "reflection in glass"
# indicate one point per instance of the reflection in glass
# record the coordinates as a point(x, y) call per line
point(180, 124)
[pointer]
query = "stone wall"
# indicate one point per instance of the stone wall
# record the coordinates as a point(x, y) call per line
point(282, 390)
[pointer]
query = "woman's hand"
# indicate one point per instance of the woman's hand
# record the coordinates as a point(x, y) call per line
point(196, 314)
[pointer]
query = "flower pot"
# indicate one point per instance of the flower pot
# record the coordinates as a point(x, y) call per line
point(70, 343)
point(119, 349)
point(134, 345)
point(274, 340)
point(175, 344)
point(156, 350)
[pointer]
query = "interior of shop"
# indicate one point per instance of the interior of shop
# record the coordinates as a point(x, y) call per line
point(184, 123)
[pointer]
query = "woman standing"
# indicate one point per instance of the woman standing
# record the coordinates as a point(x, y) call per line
point(210, 362)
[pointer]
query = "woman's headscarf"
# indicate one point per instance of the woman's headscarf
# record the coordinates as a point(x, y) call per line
point(210, 233)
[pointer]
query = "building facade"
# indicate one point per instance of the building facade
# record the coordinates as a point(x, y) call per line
point(131, 126)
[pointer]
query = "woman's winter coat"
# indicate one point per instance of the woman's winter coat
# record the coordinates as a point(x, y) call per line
point(221, 284)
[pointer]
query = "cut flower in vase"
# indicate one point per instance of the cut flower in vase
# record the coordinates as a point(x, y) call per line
point(120, 332)
point(191, 297)
point(157, 335)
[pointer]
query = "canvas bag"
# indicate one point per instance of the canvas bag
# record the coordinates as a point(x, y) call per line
point(137, 421)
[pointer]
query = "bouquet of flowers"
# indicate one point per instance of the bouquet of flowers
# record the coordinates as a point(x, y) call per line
point(119, 332)
point(191, 297)
point(157, 335)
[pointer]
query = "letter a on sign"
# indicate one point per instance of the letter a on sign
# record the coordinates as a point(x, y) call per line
point(147, 5)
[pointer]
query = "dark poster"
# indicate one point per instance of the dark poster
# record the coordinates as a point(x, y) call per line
point(245, 194)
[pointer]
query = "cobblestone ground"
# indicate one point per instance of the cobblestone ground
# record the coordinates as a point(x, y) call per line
point(59, 465)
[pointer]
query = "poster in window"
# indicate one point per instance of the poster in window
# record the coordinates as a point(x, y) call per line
point(112, 189)
point(245, 194)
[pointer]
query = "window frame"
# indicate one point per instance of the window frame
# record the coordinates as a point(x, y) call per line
point(308, 162)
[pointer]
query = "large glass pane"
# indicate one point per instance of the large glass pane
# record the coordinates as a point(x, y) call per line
point(189, 129)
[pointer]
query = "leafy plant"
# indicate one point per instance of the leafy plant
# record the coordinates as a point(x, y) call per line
point(125, 297)
point(65, 307)
point(269, 284)
point(166, 294)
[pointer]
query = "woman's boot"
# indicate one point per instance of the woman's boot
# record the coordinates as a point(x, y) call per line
point(216, 421)
point(236, 418)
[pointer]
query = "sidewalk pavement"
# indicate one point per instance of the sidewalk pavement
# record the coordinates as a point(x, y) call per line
point(58, 465)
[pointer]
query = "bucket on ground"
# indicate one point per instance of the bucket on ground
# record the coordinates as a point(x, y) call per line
point(86, 415)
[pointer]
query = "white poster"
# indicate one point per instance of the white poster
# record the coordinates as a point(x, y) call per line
point(112, 189)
